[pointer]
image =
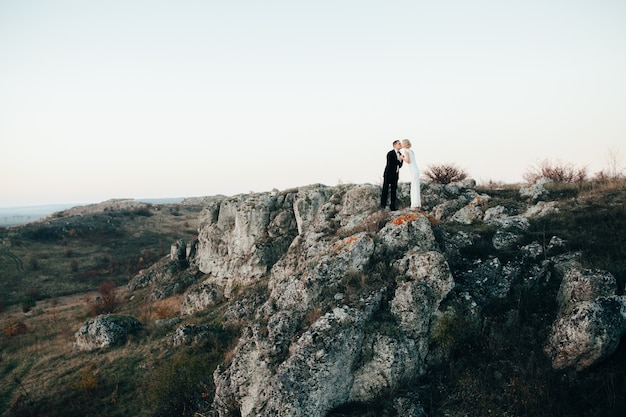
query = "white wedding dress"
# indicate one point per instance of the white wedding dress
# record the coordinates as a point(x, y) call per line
point(416, 197)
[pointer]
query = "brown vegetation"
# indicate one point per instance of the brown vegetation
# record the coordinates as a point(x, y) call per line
point(445, 173)
point(107, 301)
point(561, 172)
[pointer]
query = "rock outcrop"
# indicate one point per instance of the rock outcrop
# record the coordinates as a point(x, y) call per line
point(340, 302)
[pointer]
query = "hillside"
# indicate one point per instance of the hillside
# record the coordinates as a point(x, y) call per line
point(314, 302)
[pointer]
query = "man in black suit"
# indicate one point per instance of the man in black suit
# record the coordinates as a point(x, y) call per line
point(390, 176)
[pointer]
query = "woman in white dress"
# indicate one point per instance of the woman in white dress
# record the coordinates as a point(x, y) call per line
point(409, 158)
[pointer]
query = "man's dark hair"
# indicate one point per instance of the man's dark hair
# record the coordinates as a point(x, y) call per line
point(395, 141)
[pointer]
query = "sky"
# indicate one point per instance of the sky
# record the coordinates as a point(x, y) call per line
point(154, 99)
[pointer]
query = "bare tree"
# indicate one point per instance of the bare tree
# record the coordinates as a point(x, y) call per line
point(614, 160)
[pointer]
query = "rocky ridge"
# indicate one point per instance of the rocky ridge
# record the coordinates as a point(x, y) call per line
point(340, 302)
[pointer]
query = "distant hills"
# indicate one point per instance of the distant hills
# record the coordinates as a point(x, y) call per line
point(13, 216)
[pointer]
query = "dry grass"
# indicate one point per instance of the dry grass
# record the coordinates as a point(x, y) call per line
point(602, 189)
point(41, 367)
point(161, 309)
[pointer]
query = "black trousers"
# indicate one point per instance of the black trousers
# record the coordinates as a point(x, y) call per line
point(390, 185)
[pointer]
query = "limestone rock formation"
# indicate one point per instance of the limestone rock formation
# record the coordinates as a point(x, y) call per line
point(339, 302)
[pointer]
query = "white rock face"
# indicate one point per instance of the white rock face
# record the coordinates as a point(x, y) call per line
point(320, 284)
point(245, 236)
point(392, 360)
point(428, 281)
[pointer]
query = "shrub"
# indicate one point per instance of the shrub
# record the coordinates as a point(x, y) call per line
point(445, 173)
point(14, 328)
point(455, 332)
point(34, 293)
point(558, 172)
point(144, 211)
point(107, 300)
point(28, 303)
point(615, 169)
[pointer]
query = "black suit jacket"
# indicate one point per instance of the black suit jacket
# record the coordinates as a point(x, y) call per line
point(393, 166)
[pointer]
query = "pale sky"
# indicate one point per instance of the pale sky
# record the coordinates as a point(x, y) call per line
point(148, 99)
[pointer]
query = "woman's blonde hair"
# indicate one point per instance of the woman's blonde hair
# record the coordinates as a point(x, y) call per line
point(406, 143)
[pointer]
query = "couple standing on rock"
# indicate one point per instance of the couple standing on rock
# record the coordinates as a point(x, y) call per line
point(400, 153)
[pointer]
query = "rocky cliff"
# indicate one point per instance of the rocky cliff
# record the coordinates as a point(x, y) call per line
point(339, 302)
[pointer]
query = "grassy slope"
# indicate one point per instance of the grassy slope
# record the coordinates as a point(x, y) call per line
point(76, 254)
point(61, 263)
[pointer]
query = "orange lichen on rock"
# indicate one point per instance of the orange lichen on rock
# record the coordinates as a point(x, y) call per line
point(405, 218)
point(346, 244)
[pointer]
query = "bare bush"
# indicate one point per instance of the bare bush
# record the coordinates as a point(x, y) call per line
point(560, 172)
point(107, 300)
point(614, 160)
point(445, 173)
point(14, 328)
point(28, 303)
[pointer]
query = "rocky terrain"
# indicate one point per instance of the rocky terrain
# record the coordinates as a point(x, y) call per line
point(469, 306)
point(351, 301)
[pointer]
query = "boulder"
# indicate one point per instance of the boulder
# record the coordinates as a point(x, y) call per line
point(178, 251)
point(541, 209)
point(591, 319)
point(202, 297)
point(472, 211)
point(105, 331)
point(190, 333)
point(498, 216)
point(505, 239)
point(536, 190)
point(589, 332)
point(488, 280)
point(428, 281)
point(585, 285)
